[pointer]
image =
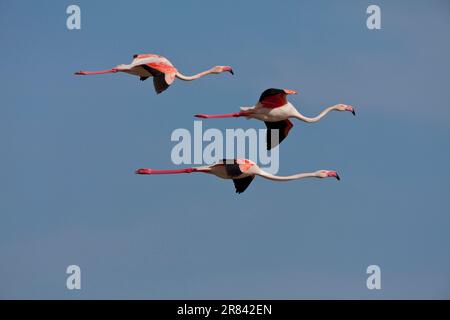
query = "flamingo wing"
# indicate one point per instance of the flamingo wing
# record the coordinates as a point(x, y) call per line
point(273, 98)
point(232, 167)
point(160, 84)
point(163, 67)
point(161, 80)
point(141, 56)
point(236, 167)
point(283, 128)
point(162, 71)
point(242, 184)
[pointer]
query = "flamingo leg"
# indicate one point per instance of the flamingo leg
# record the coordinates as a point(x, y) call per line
point(227, 115)
point(152, 171)
point(96, 72)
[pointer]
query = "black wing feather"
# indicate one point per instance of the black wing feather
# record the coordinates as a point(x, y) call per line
point(270, 92)
point(232, 168)
point(159, 80)
point(242, 184)
point(160, 83)
point(283, 128)
point(152, 71)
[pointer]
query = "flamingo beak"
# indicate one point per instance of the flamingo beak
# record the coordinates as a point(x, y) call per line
point(351, 109)
point(229, 69)
point(334, 174)
point(287, 91)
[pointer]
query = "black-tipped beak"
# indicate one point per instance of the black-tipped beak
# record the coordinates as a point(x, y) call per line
point(337, 177)
point(231, 71)
point(353, 112)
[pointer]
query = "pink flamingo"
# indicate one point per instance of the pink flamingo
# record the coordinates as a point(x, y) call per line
point(158, 67)
point(242, 172)
point(274, 109)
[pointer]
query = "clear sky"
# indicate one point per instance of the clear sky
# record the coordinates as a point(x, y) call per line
point(70, 145)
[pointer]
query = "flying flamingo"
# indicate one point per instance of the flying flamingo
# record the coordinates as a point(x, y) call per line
point(158, 67)
point(274, 109)
point(242, 172)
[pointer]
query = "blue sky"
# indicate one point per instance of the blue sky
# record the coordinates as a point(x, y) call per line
point(69, 146)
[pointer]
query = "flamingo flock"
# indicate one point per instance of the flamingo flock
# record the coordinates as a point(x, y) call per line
point(272, 107)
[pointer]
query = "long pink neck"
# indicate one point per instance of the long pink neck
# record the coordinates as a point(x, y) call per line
point(181, 76)
point(96, 72)
point(286, 178)
point(317, 118)
point(152, 171)
point(226, 115)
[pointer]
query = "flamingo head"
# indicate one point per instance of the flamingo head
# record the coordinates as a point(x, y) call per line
point(220, 69)
point(345, 107)
point(327, 174)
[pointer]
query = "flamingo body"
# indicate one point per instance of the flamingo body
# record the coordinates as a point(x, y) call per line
point(160, 68)
point(242, 172)
point(275, 110)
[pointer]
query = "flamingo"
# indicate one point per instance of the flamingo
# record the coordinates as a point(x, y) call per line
point(275, 110)
point(158, 67)
point(242, 172)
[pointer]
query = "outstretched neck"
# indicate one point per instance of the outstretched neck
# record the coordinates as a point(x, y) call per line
point(181, 76)
point(301, 117)
point(286, 178)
